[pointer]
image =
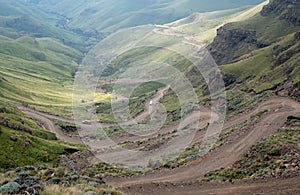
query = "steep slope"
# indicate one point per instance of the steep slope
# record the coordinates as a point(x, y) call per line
point(37, 65)
point(38, 59)
point(19, 18)
point(110, 15)
point(262, 52)
point(37, 71)
point(23, 142)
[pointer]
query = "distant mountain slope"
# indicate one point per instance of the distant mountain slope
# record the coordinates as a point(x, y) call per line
point(262, 52)
point(38, 59)
point(110, 15)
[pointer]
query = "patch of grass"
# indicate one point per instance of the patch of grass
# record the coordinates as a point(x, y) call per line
point(102, 98)
point(271, 156)
point(23, 73)
point(74, 183)
point(106, 118)
point(290, 118)
point(11, 117)
point(20, 149)
point(262, 70)
point(188, 155)
point(103, 169)
point(268, 28)
point(23, 142)
point(137, 104)
point(67, 128)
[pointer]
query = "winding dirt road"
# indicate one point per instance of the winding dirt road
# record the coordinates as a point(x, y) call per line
point(181, 179)
point(46, 119)
point(227, 154)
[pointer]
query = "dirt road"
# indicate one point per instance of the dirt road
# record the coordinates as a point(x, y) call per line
point(279, 109)
point(44, 119)
point(51, 126)
point(227, 154)
point(268, 186)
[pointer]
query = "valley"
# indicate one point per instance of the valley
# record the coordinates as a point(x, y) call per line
point(107, 97)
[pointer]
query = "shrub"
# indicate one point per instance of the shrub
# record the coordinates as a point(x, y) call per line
point(10, 188)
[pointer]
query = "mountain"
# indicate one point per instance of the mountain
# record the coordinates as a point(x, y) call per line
point(110, 15)
point(262, 52)
point(43, 43)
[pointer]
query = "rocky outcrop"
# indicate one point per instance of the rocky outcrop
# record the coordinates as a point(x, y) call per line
point(289, 89)
point(288, 10)
point(231, 42)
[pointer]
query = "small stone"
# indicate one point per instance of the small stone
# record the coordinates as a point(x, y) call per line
point(91, 193)
point(53, 180)
point(74, 177)
point(64, 183)
point(13, 138)
point(87, 178)
point(29, 168)
point(93, 183)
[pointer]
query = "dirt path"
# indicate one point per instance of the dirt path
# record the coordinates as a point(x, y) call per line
point(260, 186)
point(227, 154)
point(50, 125)
point(148, 109)
point(44, 119)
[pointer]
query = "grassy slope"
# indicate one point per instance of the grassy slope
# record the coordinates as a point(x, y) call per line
point(272, 156)
point(19, 18)
point(204, 25)
point(36, 67)
point(126, 13)
point(23, 142)
point(37, 71)
point(151, 54)
point(260, 67)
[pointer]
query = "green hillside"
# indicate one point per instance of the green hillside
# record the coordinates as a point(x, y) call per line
point(110, 15)
point(23, 142)
point(269, 58)
point(43, 43)
point(38, 59)
point(37, 71)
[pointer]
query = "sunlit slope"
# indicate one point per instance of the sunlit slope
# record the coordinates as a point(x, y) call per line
point(23, 142)
point(204, 25)
point(37, 71)
point(110, 15)
point(262, 53)
point(263, 71)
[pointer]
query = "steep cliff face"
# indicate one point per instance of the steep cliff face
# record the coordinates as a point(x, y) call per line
point(263, 52)
point(230, 43)
point(284, 9)
point(235, 40)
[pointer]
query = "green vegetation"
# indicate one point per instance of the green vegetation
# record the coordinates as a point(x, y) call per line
point(67, 128)
point(262, 71)
point(141, 95)
point(51, 181)
point(268, 28)
point(293, 118)
point(103, 169)
point(272, 156)
point(38, 71)
point(23, 142)
point(120, 14)
point(190, 154)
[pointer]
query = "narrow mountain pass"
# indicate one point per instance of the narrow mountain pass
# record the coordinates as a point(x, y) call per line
point(226, 154)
